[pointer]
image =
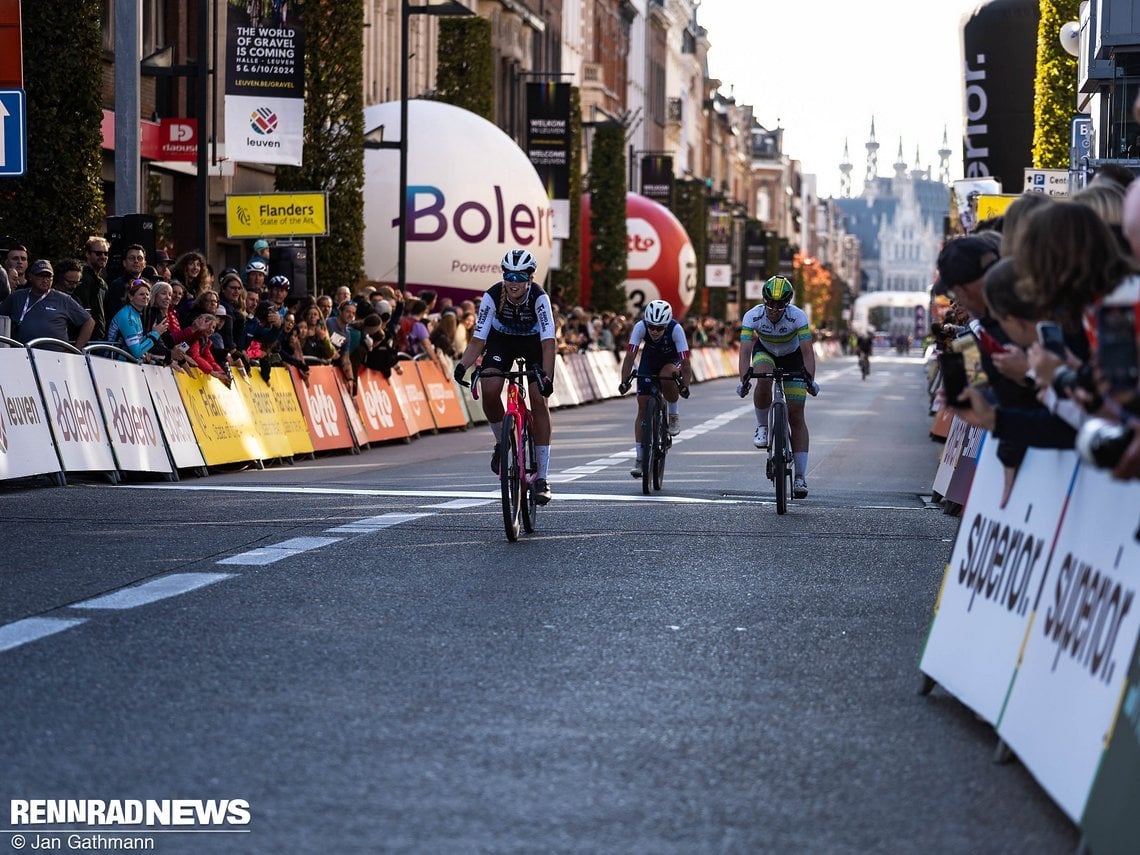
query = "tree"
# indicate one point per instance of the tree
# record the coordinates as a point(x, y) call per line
point(1055, 87)
point(465, 76)
point(609, 242)
point(58, 203)
point(569, 275)
point(334, 134)
point(690, 205)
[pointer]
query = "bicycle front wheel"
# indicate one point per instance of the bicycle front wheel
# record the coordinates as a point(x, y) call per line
point(529, 503)
point(648, 446)
point(661, 443)
point(510, 477)
point(780, 454)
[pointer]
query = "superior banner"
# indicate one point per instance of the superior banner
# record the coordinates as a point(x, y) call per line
point(265, 83)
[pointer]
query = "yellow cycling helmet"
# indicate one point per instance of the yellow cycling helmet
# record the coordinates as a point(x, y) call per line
point(778, 289)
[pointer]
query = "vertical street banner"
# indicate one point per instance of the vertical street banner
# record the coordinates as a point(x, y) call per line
point(548, 145)
point(657, 178)
point(265, 82)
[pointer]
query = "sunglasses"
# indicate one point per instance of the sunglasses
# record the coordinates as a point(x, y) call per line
point(97, 252)
point(775, 304)
point(516, 277)
point(655, 327)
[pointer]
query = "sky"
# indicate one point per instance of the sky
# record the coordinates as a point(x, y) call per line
point(820, 69)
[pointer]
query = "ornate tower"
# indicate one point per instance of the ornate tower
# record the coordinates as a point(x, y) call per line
point(917, 173)
point(872, 156)
point(845, 173)
point(900, 164)
point(944, 159)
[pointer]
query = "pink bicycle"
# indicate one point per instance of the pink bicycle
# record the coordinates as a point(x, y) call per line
point(518, 464)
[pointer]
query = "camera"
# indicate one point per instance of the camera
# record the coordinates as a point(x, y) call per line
point(1066, 379)
point(1102, 443)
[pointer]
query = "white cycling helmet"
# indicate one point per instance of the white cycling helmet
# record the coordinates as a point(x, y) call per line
point(658, 313)
point(519, 261)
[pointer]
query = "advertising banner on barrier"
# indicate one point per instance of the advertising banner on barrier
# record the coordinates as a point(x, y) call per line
point(73, 409)
point(293, 423)
point(410, 395)
point(994, 576)
point(446, 409)
point(1080, 642)
point(1111, 824)
point(383, 419)
point(565, 393)
point(951, 451)
point(355, 423)
point(26, 446)
point(963, 476)
point(263, 408)
point(323, 408)
point(171, 413)
point(223, 423)
point(132, 423)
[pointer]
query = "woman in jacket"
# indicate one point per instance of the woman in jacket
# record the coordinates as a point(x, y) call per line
point(127, 326)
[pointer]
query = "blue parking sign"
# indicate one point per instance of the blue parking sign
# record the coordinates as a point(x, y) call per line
point(13, 133)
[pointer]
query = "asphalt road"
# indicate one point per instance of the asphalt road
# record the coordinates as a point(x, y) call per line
point(351, 647)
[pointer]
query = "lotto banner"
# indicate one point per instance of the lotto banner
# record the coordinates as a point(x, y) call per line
point(26, 446)
point(994, 576)
point(171, 412)
point(446, 409)
point(132, 422)
point(323, 408)
point(222, 420)
point(383, 419)
point(409, 392)
point(1073, 672)
point(74, 412)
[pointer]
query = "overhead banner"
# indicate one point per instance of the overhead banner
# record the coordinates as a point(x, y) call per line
point(657, 178)
point(548, 135)
point(265, 84)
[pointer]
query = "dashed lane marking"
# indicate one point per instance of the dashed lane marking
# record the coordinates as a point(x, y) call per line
point(263, 555)
point(153, 591)
point(32, 629)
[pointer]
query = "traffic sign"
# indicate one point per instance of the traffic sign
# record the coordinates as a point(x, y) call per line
point(1080, 139)
point(13, 133)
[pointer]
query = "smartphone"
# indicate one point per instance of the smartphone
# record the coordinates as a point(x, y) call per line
point(1116, 347)
point(183, 346)
point(953, 368)
point(1052, 337)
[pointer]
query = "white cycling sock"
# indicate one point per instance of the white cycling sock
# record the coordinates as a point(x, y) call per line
point(674, 408)
point(542, 452)
point(762, 417)
point(800, 458)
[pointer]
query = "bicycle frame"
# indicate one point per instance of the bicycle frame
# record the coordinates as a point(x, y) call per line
point(518, 464)
point(655, 440)
point(780, 464)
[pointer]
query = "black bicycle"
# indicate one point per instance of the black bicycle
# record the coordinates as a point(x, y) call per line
point(780, 468)
point(655, 438)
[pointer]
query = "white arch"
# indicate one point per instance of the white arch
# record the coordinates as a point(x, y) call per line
point(861, 312)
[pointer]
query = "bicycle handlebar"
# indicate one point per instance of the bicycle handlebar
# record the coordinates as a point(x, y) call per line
point(777, 373)
point(682, 388)
point(535, 374)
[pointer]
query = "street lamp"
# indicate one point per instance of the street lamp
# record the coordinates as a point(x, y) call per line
point(452, 8)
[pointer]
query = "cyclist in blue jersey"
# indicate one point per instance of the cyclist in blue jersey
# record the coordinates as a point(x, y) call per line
point(777, 333)
point(665, 350)
point(515, 321)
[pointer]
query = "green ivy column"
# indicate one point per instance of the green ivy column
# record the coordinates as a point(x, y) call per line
point(1055, 88)
point(465, 76)
point(609, 254)
point(691, 207)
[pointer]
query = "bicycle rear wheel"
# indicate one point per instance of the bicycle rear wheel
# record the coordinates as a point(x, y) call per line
point(529, 503)
point(661, 443)
point(648, 446)
point(779, 440)
point(509, 477)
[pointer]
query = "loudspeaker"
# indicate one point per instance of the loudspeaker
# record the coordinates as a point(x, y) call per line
point(291, 258)
point(124, 231)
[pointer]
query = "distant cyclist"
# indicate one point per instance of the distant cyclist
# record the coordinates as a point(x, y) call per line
point(665, 351)
point(864, 344)
point(515, 320)
point(776, 333)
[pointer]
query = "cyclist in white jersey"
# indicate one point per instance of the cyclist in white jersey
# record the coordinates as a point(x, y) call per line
point(515, 321)
point(777, 333)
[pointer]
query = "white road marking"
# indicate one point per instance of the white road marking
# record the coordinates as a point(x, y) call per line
point(152, 591)
point(460, 504)
point(33, 629)
point(369, 524)
point(275, 552)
